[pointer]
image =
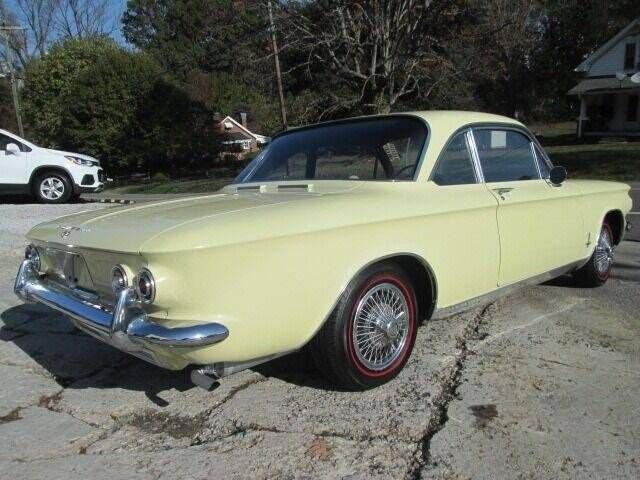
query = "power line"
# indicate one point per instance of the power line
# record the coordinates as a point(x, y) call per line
point(12, 74)
point(276, 60)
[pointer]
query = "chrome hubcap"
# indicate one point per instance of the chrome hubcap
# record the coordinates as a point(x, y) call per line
point(52, 188)
point(381, 326)
point(604, 252)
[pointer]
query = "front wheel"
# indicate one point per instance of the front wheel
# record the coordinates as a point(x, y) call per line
point(370, 335)
point(598, 269)
point(53, 187)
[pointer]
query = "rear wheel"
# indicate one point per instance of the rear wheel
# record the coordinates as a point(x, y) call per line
point(598, 269)
point(53, 187)
point(370, 335)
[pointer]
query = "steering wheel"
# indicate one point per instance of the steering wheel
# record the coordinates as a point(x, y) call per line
point(402, 170)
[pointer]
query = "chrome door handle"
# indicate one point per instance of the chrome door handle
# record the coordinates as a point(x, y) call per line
point(503, 192)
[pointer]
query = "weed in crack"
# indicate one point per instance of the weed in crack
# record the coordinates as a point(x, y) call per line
point(12, 416)
point(449, 381)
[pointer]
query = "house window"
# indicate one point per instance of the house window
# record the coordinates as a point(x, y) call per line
point(630, 56)
point(632, 108)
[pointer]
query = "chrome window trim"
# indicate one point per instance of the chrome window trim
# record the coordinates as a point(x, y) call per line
point(475, 155)
point(505, 126)
point(535, 158)
point(243, 176)
point(545, 158)
point(477, 174)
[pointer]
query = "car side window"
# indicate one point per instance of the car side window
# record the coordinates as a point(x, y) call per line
point(4, 141)
point(545, 169)
point(505, 155)
point(455, 166)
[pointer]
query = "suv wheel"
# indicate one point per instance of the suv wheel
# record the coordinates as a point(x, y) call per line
point(53, 187)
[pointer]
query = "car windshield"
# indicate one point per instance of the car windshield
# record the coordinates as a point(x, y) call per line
point(384, 148)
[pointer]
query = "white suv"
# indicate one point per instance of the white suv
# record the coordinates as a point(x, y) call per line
point(52, 176)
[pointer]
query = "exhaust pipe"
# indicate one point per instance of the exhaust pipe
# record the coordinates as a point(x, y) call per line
point(206, 376)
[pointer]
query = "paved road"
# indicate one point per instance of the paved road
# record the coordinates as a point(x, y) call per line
point(109, 196)
point(634, 216)
point(541, 384)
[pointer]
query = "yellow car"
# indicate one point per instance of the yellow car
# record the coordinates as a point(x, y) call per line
point(341, 236)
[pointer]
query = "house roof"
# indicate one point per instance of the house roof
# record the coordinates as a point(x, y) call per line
point(259, 138)
point(586, 64)
point(593, 85)
point(237, 136)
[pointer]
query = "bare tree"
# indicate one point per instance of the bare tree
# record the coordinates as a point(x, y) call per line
point(376, 51)
point(512, 30)
point(84, 18)
point(37, 16)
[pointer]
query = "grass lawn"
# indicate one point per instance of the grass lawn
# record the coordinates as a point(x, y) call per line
point(605, 160)
point(176, 186)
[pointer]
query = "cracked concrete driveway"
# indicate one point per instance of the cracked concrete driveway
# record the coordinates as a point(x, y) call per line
point(541, 384)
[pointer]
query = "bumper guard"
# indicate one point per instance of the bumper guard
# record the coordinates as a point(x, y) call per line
point(125, 326)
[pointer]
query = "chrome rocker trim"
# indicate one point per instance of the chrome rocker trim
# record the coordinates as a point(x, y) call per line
point(126, 326)
point(445, 312)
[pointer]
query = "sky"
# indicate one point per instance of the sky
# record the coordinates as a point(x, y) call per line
point(116, 7)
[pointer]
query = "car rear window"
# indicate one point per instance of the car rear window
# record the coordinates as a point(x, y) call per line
point(384, 148)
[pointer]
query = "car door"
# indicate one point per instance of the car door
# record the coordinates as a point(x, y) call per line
point(13, 167)
point(538, 224)
point(468, 220)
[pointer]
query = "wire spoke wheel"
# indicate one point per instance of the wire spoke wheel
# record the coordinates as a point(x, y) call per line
point(604, 252)
point(381, 326)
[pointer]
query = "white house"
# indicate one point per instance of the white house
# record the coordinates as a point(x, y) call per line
point(238, 138)
point(610, 89)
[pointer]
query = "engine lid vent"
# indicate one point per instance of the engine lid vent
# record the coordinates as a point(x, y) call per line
point(307, 187)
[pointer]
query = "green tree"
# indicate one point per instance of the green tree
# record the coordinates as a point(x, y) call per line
point(7, 111)
point(568, 36)
point(185, 35)
point(93, 96)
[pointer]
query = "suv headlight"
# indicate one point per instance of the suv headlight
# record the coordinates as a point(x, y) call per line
point(79, 161)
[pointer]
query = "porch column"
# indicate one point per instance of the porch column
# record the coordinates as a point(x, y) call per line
point(583, 114)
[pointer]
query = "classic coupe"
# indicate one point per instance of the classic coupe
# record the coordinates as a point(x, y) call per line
point(338, 238)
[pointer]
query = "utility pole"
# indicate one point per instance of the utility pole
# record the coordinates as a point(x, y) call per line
point(276, 60)
point(12, 74)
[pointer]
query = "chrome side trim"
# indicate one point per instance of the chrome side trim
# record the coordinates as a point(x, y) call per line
point(445, 312)
point(126, 326)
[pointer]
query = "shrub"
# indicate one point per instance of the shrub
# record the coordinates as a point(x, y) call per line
point(160, 177)
point(92, 96)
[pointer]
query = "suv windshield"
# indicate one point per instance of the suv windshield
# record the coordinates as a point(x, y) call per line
point(384, 148)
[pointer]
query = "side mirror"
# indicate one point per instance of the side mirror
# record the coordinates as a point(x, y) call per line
point(12, 149)
point(557, 175)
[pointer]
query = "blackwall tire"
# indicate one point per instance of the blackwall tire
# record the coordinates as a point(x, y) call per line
point(53, 187)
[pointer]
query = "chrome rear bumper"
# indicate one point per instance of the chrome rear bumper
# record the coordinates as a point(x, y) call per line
point(125, 326)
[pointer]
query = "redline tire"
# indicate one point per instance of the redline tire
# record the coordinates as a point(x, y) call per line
point(337, 353)
point(595, 273)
